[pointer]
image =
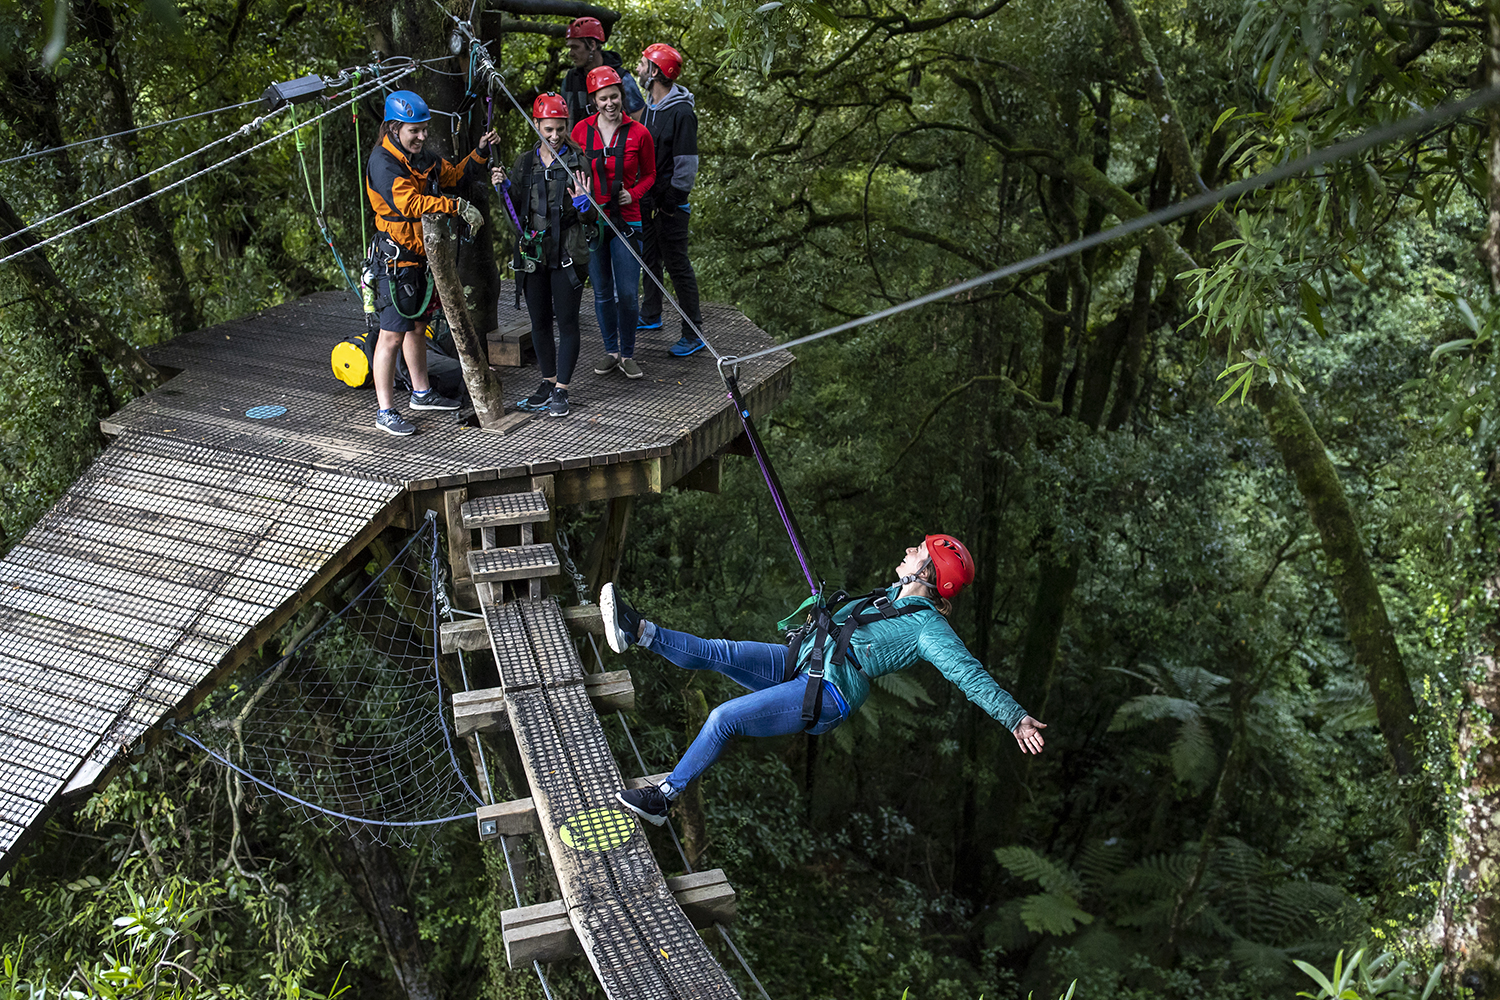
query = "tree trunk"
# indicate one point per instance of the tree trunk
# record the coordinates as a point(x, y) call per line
point(71, 325)
point(1365, 618)
point(690, 802)
point(117, 115)
point(473, 357)
point(380, 886)
point(1037, 666)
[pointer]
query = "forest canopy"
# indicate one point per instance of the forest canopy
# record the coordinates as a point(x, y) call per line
point(1229, 482)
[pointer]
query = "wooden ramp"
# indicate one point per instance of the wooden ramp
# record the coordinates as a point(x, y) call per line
point(626, 919)
point(164, 566)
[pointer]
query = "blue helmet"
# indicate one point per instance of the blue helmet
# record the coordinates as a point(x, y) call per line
point(405, 106)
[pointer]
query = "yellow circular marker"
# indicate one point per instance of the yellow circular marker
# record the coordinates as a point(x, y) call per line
point(597, 830)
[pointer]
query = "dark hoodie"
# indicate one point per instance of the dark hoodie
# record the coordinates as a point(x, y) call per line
point(673, 125)
point(579, 105)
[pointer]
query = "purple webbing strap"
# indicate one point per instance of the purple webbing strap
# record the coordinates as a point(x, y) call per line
point(776, 497)
point(515, 219)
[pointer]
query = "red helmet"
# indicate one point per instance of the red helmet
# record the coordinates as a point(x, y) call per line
point(666, 59)
point(549, 106)
point(952, 566)
point(587, 27)
point(600, 77)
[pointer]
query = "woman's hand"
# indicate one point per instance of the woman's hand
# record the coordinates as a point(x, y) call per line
point(1028, 734)
point(580, 185)
point(625, 198)
point(486, 139)
point(497, 175)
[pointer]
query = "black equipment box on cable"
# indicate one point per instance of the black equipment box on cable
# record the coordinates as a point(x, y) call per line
point(296, 91)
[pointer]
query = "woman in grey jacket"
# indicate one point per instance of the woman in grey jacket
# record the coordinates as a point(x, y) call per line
point(908, 622)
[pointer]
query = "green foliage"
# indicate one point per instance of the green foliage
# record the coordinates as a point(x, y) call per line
point(1363, 978)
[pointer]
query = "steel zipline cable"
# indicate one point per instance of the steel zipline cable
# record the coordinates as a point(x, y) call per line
point(129, 131)
point(1338, 151)
point(355, 95)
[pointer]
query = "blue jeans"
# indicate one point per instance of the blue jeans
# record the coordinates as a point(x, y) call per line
point(773, 708)
point(616, 278)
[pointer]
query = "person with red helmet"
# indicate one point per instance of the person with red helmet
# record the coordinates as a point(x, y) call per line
point(586, 48)
point(875, 635)
point(621, 164)
point(664, 214)
point(549, 195)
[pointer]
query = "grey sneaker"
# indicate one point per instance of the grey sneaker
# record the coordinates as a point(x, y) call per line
point(392, 422)
point(606, 364)
point(630, 368)
point(557, 403)
point(430, 400)
point(648, 803)
point(622, 623)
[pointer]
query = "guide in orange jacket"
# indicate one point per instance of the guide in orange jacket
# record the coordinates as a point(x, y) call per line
point(403, 182)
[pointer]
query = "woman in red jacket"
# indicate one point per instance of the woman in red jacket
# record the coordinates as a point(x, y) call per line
point(621, 160)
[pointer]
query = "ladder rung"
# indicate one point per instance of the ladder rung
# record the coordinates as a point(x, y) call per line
point(520, 562)
point(507, 508)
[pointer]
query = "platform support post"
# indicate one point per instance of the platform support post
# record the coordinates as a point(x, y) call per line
point(459, 544)
point(483, 384)
point(608, 549)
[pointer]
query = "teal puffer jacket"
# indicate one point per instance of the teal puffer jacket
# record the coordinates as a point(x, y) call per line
point(890, 644)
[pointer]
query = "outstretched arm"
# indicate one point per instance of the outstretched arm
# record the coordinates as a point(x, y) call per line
point(1028, 734)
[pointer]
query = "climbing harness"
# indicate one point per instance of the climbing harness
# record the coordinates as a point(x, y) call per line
point(822, 628)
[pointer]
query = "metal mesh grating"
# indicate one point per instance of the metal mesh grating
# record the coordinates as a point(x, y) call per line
point(507, 508)
point(521, 562)
point(513, 655)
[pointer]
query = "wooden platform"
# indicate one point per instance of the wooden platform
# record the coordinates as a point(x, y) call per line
point(200, 530)
point(164, 566)
point(660, 427)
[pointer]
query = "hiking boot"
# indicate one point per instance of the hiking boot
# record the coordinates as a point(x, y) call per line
point(557, 403)
point(630, 368)
point(649, 324)
point(622, 623)
point(648, 803)
point(537, 401)
point(606, 364)
point(430, 400)
point(689, 344)
point(392, 422)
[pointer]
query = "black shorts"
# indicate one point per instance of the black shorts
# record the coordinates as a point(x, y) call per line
point(411, 287)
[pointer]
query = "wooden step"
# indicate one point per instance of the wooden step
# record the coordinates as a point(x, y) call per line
point(518, 817)
point(507, 508)
point(483, 711)
point(469, 634)
point(519, 562)
point(543, 933)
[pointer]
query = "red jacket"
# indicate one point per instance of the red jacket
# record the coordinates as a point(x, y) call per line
point(640, 164)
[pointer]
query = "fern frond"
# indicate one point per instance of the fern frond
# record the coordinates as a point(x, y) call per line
point(1194, 760)
point(904, 686)
point(1099, 861)
point(1156, 877)
point(1152, 708)
point(1053, 913)
point(1197, 684)
point(1025, 863)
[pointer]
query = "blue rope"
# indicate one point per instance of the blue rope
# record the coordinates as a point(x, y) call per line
point(172, 727)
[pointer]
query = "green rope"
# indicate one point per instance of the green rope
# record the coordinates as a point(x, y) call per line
point(426, 299)
point(359, 172)
point(313, 202)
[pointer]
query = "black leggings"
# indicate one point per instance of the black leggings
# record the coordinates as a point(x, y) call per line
point(550, 294)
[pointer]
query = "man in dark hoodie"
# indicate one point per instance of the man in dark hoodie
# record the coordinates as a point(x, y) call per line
point(673, 125)
point(586, 49)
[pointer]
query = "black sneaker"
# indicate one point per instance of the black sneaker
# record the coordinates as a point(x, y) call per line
point(557, 403)
point(392, 422)
point(430, 400)
point(648, 803)
point(537, 401)
point(622, 624)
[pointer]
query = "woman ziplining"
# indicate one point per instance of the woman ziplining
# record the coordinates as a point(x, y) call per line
point(817, 683)
point(549, 196)
point(403, 182)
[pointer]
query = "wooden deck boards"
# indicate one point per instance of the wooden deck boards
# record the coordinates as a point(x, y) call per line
point(639, 942)
point(280, 357)
point(139, 586)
